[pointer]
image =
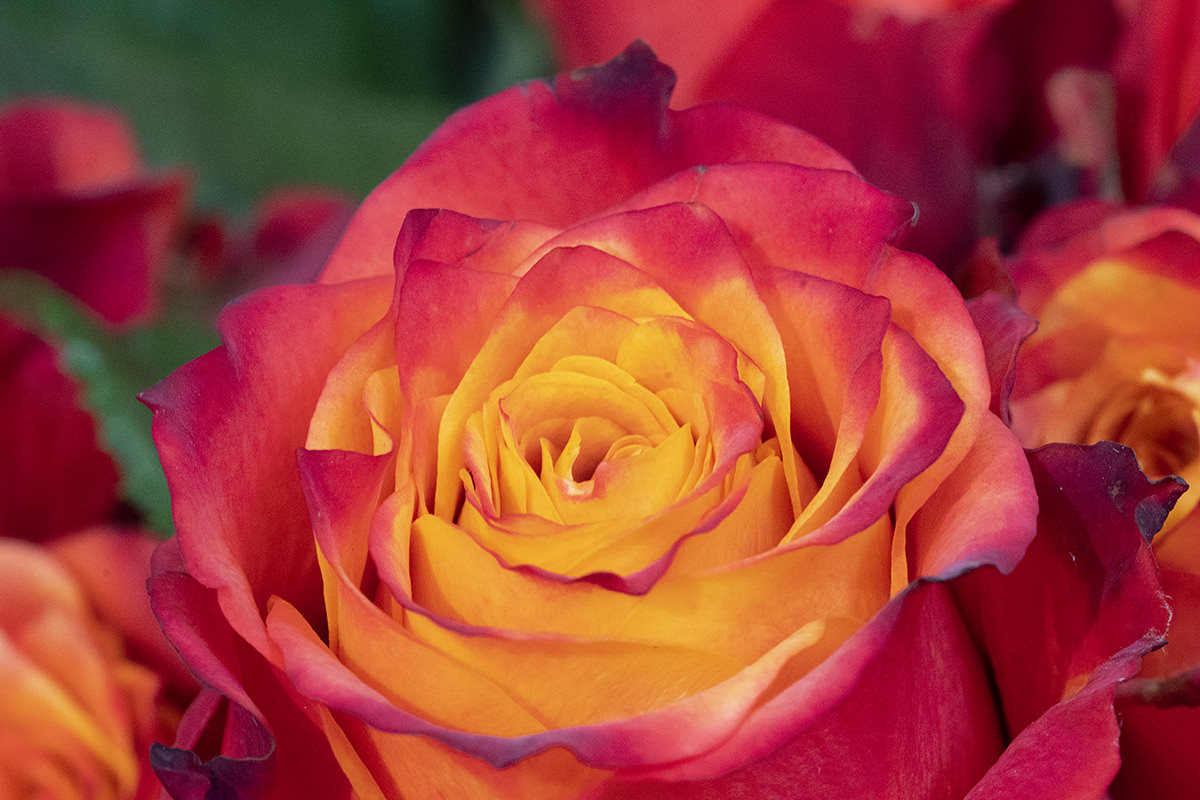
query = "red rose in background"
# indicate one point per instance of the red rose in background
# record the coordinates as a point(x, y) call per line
point(1157, 74)
point(89, 682)
point(288, 240)
point(1117, 356)
point(77, 206)
point(682, 481)
point(54, 477)
point(922, 97)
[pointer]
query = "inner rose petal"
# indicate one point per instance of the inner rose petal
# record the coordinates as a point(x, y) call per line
point(604, 461)
point(1141, 391)
point(1156, 420)
point(1125, 301)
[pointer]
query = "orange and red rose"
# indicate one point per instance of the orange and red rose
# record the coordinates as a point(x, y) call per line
point(87, 674)
point(646, 466)
point(1117, 357)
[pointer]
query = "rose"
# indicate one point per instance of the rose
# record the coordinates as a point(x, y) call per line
point(85, 668)
point(77, 206)
point(1157, 77)
point(1115, 291)
point(289, 240)
point(54, 478)
point(663, 486)
point(923, 96)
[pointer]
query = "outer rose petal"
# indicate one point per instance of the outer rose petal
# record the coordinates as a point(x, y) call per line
point(76, 206)
point(814, 739)
point(1003, 327)
point(246, 759)
point(1082, 598)
point(54, 478)
point(1160, 708)
point(249, 404)
point(596, 135)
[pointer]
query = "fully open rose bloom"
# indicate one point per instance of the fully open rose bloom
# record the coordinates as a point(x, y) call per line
point(1117, 356)
point(667, 486)
point(84, 670)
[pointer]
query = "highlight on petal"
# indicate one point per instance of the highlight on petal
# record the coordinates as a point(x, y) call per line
point(811, 738)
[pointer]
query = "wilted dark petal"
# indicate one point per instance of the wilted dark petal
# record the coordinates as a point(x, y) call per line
point(1084, 599)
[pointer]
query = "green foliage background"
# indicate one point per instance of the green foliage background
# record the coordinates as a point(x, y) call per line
point(254, 95)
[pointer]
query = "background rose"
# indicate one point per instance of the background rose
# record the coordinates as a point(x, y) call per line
point(1116, 357)
point(89, 682)
point(973, 109)
point(740, 617)
point(54, 478)
point(923, 97)
point(77, 206)
point(288, 240)
point(1157, 77)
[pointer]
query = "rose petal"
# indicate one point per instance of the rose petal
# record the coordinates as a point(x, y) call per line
point(1003, 327)
point(597, 136)
point(812, 738)
point(192, 619)
point(54, 477)
point(248, 404)
point(76, 206)
point(1086, 588)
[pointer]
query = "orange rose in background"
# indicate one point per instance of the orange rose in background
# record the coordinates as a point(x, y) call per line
point(1117, 357)
point(88, 681)
point(667, 485)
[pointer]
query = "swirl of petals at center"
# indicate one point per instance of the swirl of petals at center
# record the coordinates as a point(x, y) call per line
point(601, 467)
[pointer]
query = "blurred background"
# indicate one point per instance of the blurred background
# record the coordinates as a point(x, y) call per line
point(252, 96)
point(257, 102)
